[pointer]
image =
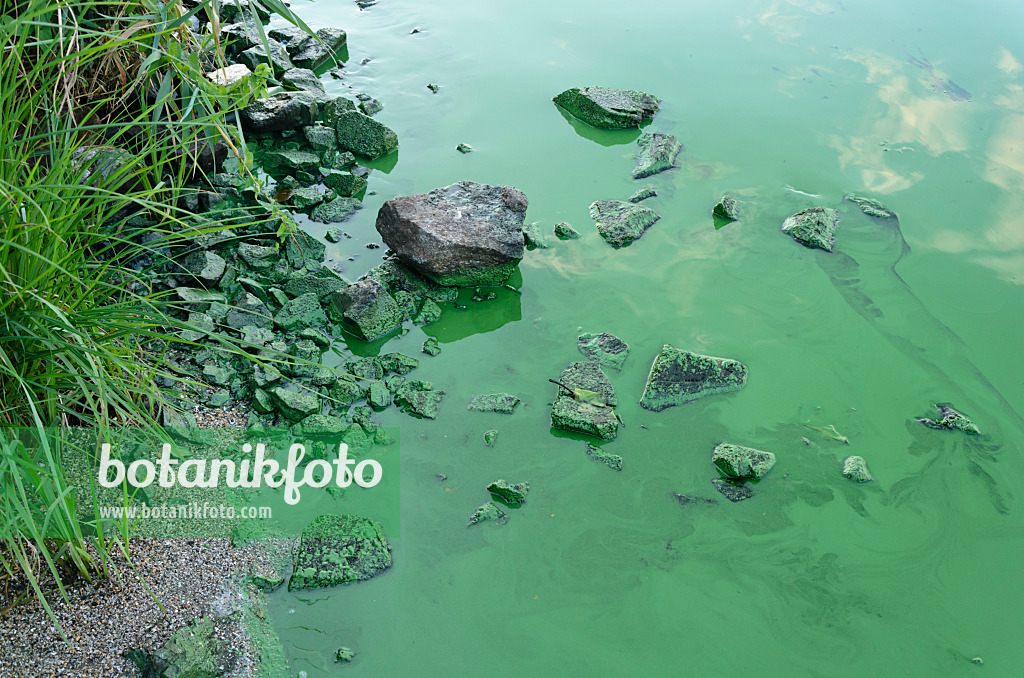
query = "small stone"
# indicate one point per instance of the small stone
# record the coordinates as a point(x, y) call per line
point(283, 162)
point(248, 310)
point(872, 208)
point(508, 493)
point(345, 183)
point(206, 267)
point(533, 237)
point(364, 135)
point(726, 209)
point(333, 234)
point(814, 227)
point(593, 414)
point(294, 406)
point(736, 461)
point(370, 106)
point(464, 148)
point(197, 301)
point(490, 437)
point(643, 194)
point(620, 222)
point(604, 348)
point(855, 468)
point(431, 346)
point(302, 79)
point(281, 111)
point(655, 153)
point(218, 398)
point(367, 309)
point(433, 88)
point(303, 311)
point(320, 137)
point(267, 584)
point(419, 398)
point(612, 461)
point(488, 511)
point(377, 396)
point(217, 375)
point(335, 211)
point(565, 231)
point(731, 490)
point(608, 108)
point(309, 52)
point(304, 198)
point(277, 57)
point(344, 654)
point(229, 75)
point(430, 312)
point(503, 403)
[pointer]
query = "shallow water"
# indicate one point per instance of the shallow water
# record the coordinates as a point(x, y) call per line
point(784, 105)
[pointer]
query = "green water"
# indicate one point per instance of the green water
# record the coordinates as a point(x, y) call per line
point(604, 573)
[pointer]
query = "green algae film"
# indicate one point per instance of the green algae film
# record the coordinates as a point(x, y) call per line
point(783, 107)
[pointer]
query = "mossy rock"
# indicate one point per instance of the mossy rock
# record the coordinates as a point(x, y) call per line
point(339, 549)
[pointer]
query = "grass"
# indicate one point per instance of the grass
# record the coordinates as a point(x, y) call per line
point(104, 110)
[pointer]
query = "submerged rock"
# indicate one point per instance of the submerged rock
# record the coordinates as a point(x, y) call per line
point(193, 651)
point(338, 549)
point(431, 346)
point(463, 235)
point(726, 209)
point(344, 654)
point(814, 227)
point(871, 207)
point(620, 222)
point(604, 348)
point(655, 153)
point(490, 437)
point(592, 412)
point(419, 398)
point(533, 237)
point(608, 108)
point(488, 511)
point(363, 135)
point(505, 403)
point(565, 231)
point(281, 111)
point(855, 468)
point(367, 309)
point(508, 493)
point(736, 461)
point(678, 376)
point(952, 420)
point(612, 461)
point(464, 148)
point(335, 211)
point(732, 490)
point(643, 194)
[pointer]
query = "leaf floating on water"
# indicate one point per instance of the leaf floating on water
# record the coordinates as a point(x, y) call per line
point(283, 195)
point(584, 396)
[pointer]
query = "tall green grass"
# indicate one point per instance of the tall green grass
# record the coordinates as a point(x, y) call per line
point(102, 108)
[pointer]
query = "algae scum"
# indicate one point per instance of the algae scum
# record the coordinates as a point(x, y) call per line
point(815, 350)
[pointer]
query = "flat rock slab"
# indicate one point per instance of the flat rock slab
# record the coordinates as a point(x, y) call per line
point(463, 235)
point(737, 461)
point(338, 549)
point(605, 349)
point(594, 417)
point(872, 207)
point(655, 153)
point(814, 227)
point(732, 491)
point(678, 376)
point(488, 511)
point(504, 403)
point(508, 493)
point(608, 108)
point(620, 222)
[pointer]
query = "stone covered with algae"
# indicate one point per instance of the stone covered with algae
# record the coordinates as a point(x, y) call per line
point(608, 108)
point(587, 407)
point(655, 152)
point(620, 222)
point(952, 419)
point(814, 227)
point(736, 461)
point(338, 549)
point(678, 376)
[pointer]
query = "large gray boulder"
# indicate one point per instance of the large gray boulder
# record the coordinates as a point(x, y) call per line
point(814, 227)
point(678, 376)
point(620, 222)
point(281, 111)
point(608, 108)
point(463, 235)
